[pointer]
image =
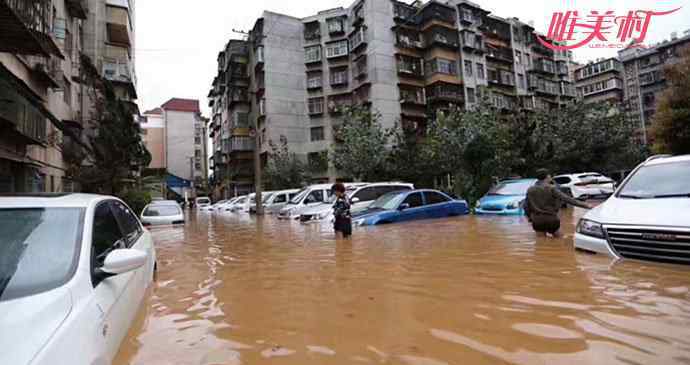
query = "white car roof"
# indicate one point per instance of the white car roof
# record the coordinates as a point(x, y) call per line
point(665, 160)
point(51, 200)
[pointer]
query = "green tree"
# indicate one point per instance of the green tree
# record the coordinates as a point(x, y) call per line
point(284, 169)
point(361, 151)
point(409, 158)
point(671, 126)
point(106, 160)
point(474, 145)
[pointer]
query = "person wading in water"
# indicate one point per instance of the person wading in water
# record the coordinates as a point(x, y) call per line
point(543, 202)
point(341, 210)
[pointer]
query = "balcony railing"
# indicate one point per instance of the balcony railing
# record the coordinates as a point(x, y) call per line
point(500, 53)
point(25, 27)
point(438, 36)
point(119, 72)
point(412, 96)
point(27, 119)
point(357, 39)
point(544, 66)
point(241, 144)
point(444, 92)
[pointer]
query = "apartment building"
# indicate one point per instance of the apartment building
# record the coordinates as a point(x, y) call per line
point(645, 80)
point(404, 61)
point(184, 144)
point(40, 48)
point(153, 135)
point(600, 81)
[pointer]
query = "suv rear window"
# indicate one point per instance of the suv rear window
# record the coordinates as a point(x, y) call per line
point(563, 180)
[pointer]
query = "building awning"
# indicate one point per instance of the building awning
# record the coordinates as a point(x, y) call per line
point(177, 182)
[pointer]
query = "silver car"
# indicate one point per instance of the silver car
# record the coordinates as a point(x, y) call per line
point(157, 214)
point(278, 200)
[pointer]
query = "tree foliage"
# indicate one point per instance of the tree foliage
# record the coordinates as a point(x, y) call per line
point(361, 151)
point(284, 169)
point(671, 128)
point(107, 157)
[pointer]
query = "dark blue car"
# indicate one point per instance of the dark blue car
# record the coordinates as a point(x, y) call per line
point(410, 205)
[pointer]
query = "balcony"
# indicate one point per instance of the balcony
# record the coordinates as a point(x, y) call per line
point(404, 12)
point(498, 53)
point(25, 28)
point(357, 39)
point(336, 103)
point(443, 37)
point(77, 8)
point(472, 42)
point(439, 14)
point(23, 115)
point(412, 96)
point(544, 66)
point(360, 69)
point(47, 71)
point(238, 95)
point(239, 144)
point(496, 28)
point(312, 32)
point(407, 38)
point(568, 90)
point(121, 72)
point(537, 47)
point(410, 66)
point(118, 25)
point(444, 92)
point(562, 68)
point(543, 86)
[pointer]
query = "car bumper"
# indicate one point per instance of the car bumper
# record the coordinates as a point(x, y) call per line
point(593, 244)
point(514, 212)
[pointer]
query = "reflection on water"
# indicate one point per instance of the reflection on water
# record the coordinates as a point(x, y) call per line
point(469, 290)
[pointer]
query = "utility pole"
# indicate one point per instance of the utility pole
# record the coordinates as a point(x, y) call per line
point(258, 184)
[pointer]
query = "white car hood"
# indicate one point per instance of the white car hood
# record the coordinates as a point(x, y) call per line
point(28, 323)
point(645, 212)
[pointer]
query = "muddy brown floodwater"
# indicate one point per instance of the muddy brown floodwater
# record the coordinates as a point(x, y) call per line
point(470, 290)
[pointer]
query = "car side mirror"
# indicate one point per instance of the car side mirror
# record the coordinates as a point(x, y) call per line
point(404, 206)
point(356, 200)
point(123, 261)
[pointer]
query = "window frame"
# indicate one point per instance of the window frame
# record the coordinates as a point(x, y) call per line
point(341, 46)
point(427, 194)
point(421, 198)
point(318, 54)
point(95, 280)
point(322, 134)
point(131, 241)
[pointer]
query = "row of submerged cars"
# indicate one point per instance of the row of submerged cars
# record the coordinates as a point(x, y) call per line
point(372, 204)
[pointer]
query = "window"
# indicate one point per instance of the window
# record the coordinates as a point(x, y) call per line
point(317, 134)
point(197, 140)
point(281, 198)
point(521, 81)
point(468, 69)
point(336, 49)
point(339, 77)
point(312, 31)
point(242, 120)
point(315, 196)
point(518, 57)
point(471, 97)
point(105, 238)
point(357, 39)
point(40, 249)
point(312, 54)
point(440, 65)
point(410, 65)
point(367, 194)
point(314, 81)
point(335, 25)
point(528, 60)
point(197, 166)
point(480, 71)
point(414, 200)
point(67, 91)
point(316, 106)
point(433, 197)
point(197, 153)
point(129, 223)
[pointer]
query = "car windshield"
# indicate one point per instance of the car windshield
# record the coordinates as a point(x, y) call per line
point(667, 180)
point(241, 200)
point(511, 188)
point(38, 249)
point(299, 196)
point(162, 211)
point(388, 201)
point(165, 202)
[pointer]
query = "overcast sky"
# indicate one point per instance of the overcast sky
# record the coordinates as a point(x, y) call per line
point(178, 40)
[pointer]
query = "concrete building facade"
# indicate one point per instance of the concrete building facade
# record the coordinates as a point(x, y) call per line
point(600, 81)
point(645, 80)
point(404, 61)
point(40, 48)
point(153, 135)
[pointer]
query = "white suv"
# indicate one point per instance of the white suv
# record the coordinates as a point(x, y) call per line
point(647, 218)
point(589, 185)
point(74, 269)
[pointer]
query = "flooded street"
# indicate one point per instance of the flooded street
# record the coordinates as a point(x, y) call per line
point(469, 290)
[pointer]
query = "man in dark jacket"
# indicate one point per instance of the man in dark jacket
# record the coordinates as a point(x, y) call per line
point(543, 202)
point(341, 211)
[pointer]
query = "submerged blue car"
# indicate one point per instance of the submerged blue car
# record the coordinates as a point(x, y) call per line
point(506, 198)
point(410, 205)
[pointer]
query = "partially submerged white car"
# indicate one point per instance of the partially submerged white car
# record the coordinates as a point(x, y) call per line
point(74, 270)
point(589, 185)
point(361, 196)
point(648, 217)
